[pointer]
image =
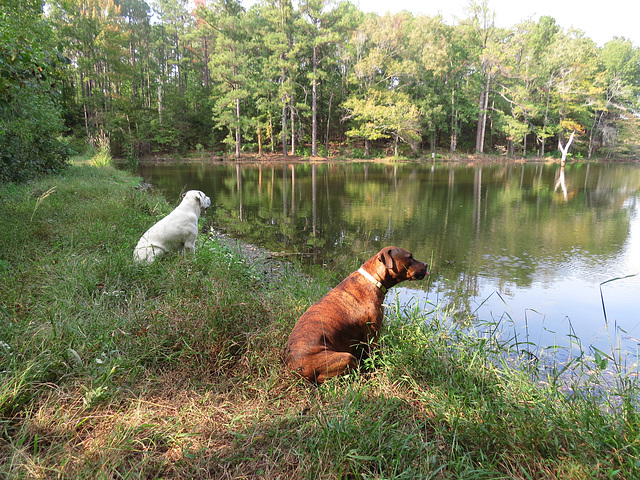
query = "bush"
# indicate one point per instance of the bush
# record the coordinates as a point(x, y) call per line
point(30, 119)
point(29, 134)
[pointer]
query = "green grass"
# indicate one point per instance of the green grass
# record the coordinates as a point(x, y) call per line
point(174, 370)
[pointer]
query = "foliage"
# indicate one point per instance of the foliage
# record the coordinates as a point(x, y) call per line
point(283, 74)
point(384, 114)
point(30, 118)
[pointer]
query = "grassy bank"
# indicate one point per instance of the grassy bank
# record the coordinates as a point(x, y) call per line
point(173, 370)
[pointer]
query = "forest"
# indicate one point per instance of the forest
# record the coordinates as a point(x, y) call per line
point(306, 78)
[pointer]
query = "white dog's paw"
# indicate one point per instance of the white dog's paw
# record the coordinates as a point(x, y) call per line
point(146, 254)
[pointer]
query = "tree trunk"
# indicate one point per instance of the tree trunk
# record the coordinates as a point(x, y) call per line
point(160, 101)
point(84, 104)
point(134, 87)
point(284, 127)
point(284, 109)
point(284, 116)
point(326, 140)
point(565, 149)
point(453, 143)
point(238, 136)
point(544, 127)
point(293, 126)
point(273, 140)
point(207, 74)
point(149, 94)
point(482, 116)
point(592, 133)
point(314, 106)
point(480, 122)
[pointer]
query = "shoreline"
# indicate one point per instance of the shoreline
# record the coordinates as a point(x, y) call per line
point(191, 157)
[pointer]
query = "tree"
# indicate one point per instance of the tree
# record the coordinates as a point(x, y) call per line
point(278, 34)
point(319, 34)
point(30, 86)
point(382, 69)
point(545, 71)
point(228, 64)
point(283, 69)
point(482, 23)
point(515, 87)
point(565, 148)
point(443, 68)
point(619, 93)
point(383, 115)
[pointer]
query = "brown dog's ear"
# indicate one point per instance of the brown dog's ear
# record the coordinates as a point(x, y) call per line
point(386, 258)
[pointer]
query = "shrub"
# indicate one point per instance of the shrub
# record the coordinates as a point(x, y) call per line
point(29, 134)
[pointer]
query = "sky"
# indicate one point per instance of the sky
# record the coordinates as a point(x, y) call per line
point(600, 20)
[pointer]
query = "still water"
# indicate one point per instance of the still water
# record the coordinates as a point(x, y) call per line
point(528, 246)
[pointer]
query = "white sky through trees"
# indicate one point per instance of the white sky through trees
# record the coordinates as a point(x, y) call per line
point(599, 20)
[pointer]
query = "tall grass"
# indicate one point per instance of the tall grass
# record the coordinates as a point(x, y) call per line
point(173, 370)
point(101, 156)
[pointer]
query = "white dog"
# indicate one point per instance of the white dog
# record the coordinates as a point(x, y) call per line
point(176, 231)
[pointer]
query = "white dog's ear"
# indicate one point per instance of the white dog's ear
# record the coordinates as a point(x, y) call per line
point(204, 200)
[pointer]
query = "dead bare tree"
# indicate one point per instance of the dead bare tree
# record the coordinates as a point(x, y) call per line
point(565, 149)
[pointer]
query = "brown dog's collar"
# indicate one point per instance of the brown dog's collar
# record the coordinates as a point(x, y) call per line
point(370, 277)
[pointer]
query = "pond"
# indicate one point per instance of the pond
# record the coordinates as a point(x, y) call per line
point(549, 253)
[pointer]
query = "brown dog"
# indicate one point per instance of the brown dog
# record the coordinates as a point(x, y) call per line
point(335, 332)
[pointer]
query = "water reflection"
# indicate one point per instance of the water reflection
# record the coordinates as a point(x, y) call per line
point(527, 242)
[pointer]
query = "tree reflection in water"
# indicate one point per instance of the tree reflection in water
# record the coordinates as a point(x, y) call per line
point(532, 241)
